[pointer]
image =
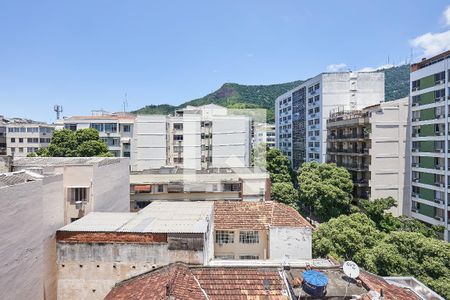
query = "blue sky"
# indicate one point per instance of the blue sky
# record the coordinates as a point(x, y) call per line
point(87, 54)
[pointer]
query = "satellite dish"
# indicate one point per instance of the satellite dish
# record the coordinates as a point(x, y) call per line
point(351, 269)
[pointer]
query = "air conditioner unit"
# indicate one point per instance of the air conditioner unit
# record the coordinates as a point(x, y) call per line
point(439, 219)
point(415, 104)
point(440, 150)
point(439, 201)
point(416, 119)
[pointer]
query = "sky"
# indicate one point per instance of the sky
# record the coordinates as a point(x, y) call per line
point(87, 55)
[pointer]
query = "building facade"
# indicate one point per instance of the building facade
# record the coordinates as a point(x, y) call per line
point(32, 210)
point(372, 145)
point(174, 184)
point(116, 130)
point(24, 136)
point(264, 134)
point(429, 136)
point(301, 113)
point(90, 183)
point(193, 138)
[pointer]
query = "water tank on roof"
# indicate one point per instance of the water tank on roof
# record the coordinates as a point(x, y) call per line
point(315, 283)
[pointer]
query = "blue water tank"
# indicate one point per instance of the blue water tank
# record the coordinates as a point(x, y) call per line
point(315, 283)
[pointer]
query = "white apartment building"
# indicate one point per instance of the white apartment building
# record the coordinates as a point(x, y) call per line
point(300, 114)
point(90, 183)
point(115, 129)
point(372, 145)
point(198, 138)
point(264, 134)
point(24, 136)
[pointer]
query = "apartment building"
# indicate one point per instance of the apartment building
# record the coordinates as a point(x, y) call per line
point(25, 136)
point(176, 184)
point(90, 183)
point(264, 134)
point(101, 249)
point(203, 137)
point(429, 136)
point(32, 211)
point(372, 145)
point(260, 231)
point(115, 129)
point(301, 113)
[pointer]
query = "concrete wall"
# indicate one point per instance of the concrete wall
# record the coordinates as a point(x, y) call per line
point(149, 143)
point(89, 271)
point(31, 214)
point(5, 163)
point(388, 152)
point(290, 243)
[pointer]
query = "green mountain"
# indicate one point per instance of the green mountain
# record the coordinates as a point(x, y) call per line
point(233, 95)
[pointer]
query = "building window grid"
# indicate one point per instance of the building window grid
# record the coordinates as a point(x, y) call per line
point(224, 237)
point(249, 237)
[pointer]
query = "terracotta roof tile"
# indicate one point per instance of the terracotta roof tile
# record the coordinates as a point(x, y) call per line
point(390, 291)
point(255, 215)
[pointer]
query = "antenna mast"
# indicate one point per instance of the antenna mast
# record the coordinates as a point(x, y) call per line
point(58, 109)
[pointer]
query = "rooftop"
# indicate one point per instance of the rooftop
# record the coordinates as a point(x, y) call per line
point(63, 161)
point(205, 282)
point(157, 217)
point(14, 178)
point(432, 60)
point(104, 117)
point(256, 215)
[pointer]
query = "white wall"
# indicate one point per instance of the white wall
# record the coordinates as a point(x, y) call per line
point(287, 244)
point(149, 142)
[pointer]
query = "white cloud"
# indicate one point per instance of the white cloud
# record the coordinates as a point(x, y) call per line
point(447, 15)
point(337, 67)
point(250, 54)
point(371, 69)
point(432, 43)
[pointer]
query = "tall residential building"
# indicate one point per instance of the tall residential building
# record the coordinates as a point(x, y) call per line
point(264, 133)
point(203, 137)
point(301, 113)
point(115, 129)
point(3, 131)
point(430, 134)
point(25, 136)
point(372, 144)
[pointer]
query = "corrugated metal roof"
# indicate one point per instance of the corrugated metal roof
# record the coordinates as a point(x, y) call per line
point(158, 217)
point(13, 178)
point(62, 161)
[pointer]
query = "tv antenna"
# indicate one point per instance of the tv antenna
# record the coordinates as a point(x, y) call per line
point(58, 109)
point(125, 103)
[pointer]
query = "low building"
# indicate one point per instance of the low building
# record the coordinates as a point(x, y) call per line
point(116, 129)
point(25, 136)
point(31, 211)
point(175, 184)
point(90, 183)
point(3, 131)
point(372, 145)
point(97, 251)
point(260, 231)
point(181, 281)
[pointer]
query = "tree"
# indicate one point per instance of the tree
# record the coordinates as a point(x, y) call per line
point(80, 143)
point(345, 236)
point(326, 189)
point(410, 254)
point(278, 165)
point(259, 154)
point(284, 192)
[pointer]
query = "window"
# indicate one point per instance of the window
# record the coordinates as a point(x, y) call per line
point(72, 127)
point(13, 140)
point(177, 137)
point(224, 237)
point(317, 109)
point(317, 86)
point(178, 126)
point(231, 187)
point(98, 126)
point(249, 257)
point(77, 194)
point(21, 150)
point(111, 127)
point(230, 256)
point(249, 237)
point(20, 140)
point(160, 188)
point(439, 77)
point(32, 129)
point(126, 128)
point(416, 85)
point(178, 160)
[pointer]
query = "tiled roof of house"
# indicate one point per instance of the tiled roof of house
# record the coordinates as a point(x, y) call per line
point(175, 280)
point(214, 283)
point(390, 291)
point(256, 215)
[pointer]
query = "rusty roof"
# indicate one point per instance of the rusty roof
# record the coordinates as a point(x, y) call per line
point(215, 283)
point(379, 284)
point(256, 215)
